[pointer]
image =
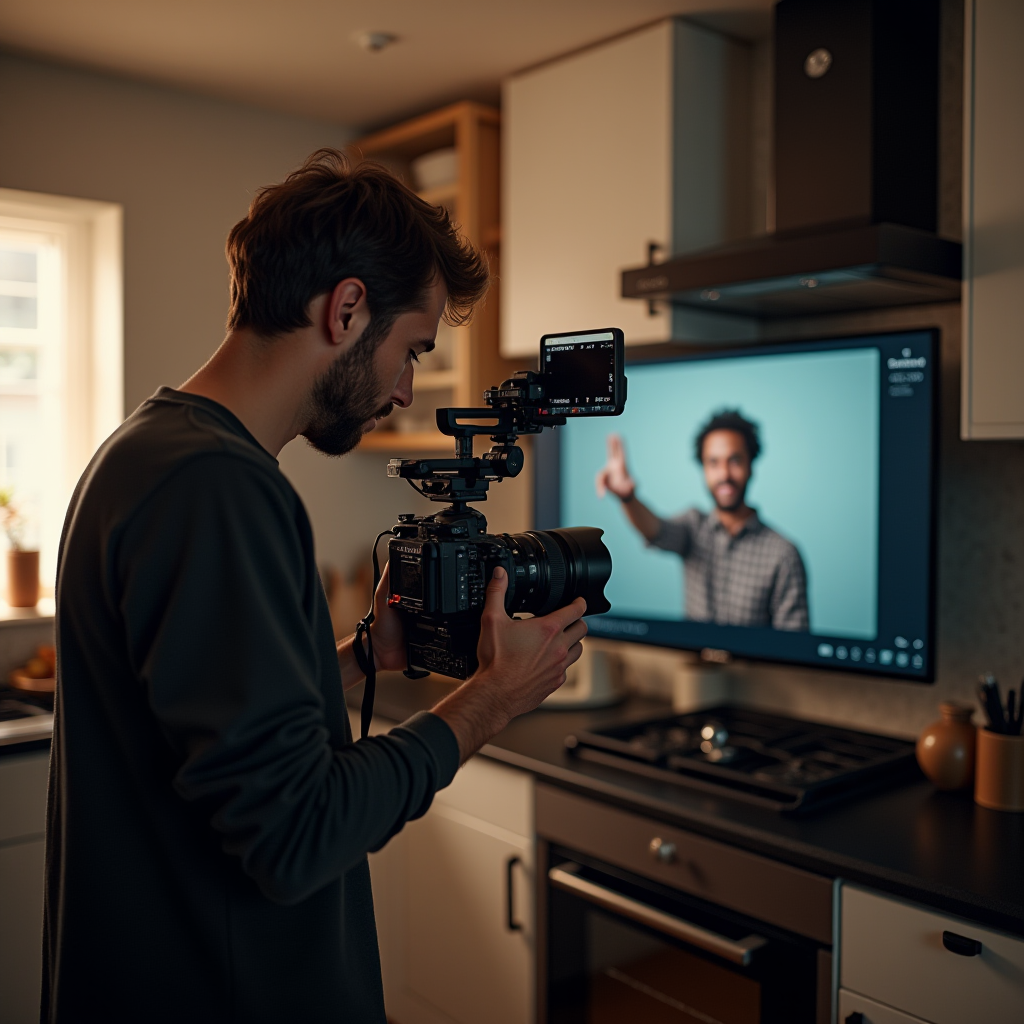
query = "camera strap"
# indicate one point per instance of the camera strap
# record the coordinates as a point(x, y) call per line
point(364, 657)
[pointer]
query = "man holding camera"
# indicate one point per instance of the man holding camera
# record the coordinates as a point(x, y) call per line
point(209, 814)
point(739, 572)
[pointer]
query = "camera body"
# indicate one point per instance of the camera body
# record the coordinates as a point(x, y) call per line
point(440, 564)
point(440, 567)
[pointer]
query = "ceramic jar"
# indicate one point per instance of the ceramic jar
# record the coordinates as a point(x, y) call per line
point(945, 749)
point(22, 578)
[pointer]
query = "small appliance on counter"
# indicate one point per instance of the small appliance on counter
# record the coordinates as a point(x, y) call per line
point(781, 763)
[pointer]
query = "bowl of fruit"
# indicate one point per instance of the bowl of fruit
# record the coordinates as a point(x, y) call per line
point(39, 673)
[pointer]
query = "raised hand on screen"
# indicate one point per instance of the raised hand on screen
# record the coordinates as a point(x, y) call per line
point(614, 476)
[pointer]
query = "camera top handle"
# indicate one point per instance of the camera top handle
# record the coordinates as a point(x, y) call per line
point(466, 478)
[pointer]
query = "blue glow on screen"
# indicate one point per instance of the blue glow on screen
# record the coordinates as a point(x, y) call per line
point(816, 481)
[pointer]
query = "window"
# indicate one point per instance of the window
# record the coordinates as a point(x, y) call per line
point(61, 375)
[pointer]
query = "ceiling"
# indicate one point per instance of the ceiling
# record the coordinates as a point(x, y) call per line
point(301, 57)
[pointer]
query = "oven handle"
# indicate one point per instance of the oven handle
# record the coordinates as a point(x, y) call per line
point(739, 951)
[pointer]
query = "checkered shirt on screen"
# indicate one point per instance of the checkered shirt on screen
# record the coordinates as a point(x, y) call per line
point(755, 578)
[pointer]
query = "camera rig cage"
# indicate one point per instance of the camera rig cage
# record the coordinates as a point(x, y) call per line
point(585, 378)
point(467, 478)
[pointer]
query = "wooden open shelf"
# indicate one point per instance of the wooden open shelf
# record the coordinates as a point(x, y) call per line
point(474, 203)
point(400, 442)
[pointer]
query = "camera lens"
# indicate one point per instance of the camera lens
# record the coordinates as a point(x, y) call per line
point(554, 567)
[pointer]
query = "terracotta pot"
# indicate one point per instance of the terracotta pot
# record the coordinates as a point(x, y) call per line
point(945, 749)
point(22, 578)
point(999, 782)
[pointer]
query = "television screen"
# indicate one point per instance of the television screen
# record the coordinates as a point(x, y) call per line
point(769, 502)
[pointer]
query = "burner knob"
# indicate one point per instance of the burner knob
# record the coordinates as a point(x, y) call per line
point(663, 851)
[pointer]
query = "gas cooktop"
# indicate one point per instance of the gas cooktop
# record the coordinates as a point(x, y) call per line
point(782, 763)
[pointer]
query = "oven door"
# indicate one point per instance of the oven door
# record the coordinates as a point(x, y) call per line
point(622, 949)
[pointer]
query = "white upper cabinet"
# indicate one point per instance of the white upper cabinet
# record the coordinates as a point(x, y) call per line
point(993, 297)
point(642, 139)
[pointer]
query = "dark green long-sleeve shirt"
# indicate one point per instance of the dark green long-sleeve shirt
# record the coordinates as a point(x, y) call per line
point(209, 815)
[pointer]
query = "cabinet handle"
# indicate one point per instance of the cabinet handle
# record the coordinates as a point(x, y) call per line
point(739, 951)
point(960, 944)
point(510, 901)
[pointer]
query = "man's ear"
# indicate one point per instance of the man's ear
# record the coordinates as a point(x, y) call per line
point(347, 312)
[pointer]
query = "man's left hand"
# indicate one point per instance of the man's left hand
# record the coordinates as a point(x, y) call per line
point(387, 629)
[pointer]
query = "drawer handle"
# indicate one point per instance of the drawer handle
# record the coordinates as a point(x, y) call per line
point(960, 944)
point(739, 951)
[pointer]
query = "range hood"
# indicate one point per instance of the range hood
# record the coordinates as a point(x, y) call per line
point(856, 174)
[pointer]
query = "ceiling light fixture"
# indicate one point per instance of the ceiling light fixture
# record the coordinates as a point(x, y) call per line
point(374, 42)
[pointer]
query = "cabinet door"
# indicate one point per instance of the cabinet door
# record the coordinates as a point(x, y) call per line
point(993, 300)
point(586, 184)
point(440, 895)
point(641, 139)
point(464, 959)
point(21, 931)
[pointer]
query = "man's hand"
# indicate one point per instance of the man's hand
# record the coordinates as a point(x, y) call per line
point(387, 629)
point(521, 662)
point(614, 476)
point(388, 639)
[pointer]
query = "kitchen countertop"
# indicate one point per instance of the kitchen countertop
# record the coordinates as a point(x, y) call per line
point(940, 849)
point(34, 729)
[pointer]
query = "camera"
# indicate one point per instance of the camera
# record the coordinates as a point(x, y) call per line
point(441, 564)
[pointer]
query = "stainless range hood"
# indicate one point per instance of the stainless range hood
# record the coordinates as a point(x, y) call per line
point(856, 174)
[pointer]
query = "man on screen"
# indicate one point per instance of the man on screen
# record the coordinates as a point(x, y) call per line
point(739, 572)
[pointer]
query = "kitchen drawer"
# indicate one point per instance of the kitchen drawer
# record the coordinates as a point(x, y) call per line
point(765, 889)
point(871, 1012)
point(893, 952)
point(23, 779)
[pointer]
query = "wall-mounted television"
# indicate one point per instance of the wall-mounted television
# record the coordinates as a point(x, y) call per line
point(819, 550)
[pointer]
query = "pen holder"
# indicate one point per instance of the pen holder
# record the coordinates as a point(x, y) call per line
point(999, 771)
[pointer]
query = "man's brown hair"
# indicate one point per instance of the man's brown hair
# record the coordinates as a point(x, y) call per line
point(333, 219)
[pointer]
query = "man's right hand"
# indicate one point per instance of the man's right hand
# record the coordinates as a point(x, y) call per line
point(614, 476)
point(521, 662)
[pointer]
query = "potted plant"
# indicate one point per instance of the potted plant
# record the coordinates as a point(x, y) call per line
point(22, 564)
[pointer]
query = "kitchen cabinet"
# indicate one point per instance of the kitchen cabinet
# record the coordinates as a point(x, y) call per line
point(857, 1009)
point(22, 822)
point(643, 139)
point(925, 965)
point(993, 294)
point(453, 896)
point(466, 360)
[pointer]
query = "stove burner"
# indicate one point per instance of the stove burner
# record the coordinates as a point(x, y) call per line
point(765, 759)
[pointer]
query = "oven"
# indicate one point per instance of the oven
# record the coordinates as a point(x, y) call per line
point(643, 922)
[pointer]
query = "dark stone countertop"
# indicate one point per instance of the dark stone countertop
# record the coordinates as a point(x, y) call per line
point(940, 849)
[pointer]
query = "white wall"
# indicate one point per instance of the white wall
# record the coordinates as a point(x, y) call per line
point(185, 168)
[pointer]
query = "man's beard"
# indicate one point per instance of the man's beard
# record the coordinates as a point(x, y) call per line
point(346, 395)
point(734, 505)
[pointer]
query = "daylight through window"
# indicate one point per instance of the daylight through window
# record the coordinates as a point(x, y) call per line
point(60, 354)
